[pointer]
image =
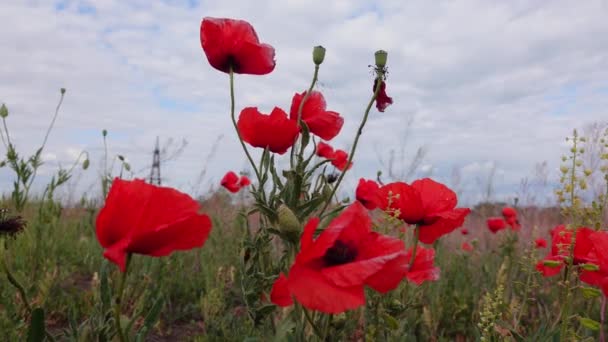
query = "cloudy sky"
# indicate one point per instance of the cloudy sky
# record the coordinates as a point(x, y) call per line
point(483, 84)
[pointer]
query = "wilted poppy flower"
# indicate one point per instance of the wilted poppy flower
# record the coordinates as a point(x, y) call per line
point(464, 231)
point(496, 224)
point(467, 247)
point(367, 193)
point(423, 269)
point(324, 150)
point(561, 241)
point(340, 160)
point(233, 183)
point(331, 271)
point(428, 204)
point(10, 226)
point(230, 43)
point(540, 243)
point(145, 219)
point(382, 100)
point(275, 131)
point(322, 123)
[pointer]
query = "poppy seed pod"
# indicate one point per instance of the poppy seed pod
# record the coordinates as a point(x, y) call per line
point(3, 111)
point(381, 57)
point(288, 222)
point(318, 54)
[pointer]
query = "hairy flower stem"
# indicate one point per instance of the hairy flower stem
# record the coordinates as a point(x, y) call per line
point(117, 307)
point(413, 257)
point(380, 77)
point(236, 128)
point(301, 107)
point(13, 281)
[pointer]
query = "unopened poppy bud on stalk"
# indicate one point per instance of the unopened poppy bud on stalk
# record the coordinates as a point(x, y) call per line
point(3, 111)
point(381, 57)
point(62, 90)
point(288, 222)
point(318, 54)
point(85, 164)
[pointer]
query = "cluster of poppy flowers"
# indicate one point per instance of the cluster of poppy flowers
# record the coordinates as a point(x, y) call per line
point(509, 218)
point(234, 183)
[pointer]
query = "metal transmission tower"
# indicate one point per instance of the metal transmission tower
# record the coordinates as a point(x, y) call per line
point(155, 171)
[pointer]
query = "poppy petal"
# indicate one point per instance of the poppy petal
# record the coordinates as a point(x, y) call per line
point(280, 294)
point(444, 223)
point(435, 196)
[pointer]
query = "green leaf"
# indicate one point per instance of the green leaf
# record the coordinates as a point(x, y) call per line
point(151, 318)
point(390, 321)
point(589, 323)
point(590, 292)
point(36, 332)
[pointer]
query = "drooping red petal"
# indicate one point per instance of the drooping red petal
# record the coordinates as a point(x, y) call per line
point(402, 200)
point(443, 223)
point(382, 100)
point(229, 42)
point(275, 131)
point(280, 294)
point(230, 181)
point(435, 196)
point(321, 122)
point(423, 269)
point(367, 193)
point(314, 291)
point(325, 150)
point(340, 160)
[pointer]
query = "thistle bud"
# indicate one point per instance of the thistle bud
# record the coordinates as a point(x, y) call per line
point(288, 222)
point(3, 111)
point(381, 57)
point(318, 54)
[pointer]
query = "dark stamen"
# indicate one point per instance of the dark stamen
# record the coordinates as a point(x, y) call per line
point(339, 254)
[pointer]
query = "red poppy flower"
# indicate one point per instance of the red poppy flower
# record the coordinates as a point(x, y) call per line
point(428, 204)
point(508, 212)
point(331, 271)
point(423, 269)
point(467, 247)
point(540, 243)
point(340, 160)
point(464, 231)
point(382, 100)
point(324, 150)
point(561, 241)
point(367, 193)
point(275, 131)
point(496, 224)
point(598, 278)
point(233, 183)
point(145, 219)
point(234, 43)
point(322, 123)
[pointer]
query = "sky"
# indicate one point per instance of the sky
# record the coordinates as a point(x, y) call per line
point(479, 85)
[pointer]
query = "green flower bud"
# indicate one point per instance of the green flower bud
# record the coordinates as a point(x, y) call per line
point(381, 57)
point(121, 158)
point(3, 111)
point(62, 90)
point(104, 133)
point(127, 166)
point(318, 54)
point(288, 222)
point(85, 164)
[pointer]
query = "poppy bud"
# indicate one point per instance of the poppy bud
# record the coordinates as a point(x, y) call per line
point(3, 111)
point(62, 90)
point(590, 267)
point(104, 132)
point(288, 222)
point(85, 164)
point(318, 54)
point(381, 56)
point(551, 263)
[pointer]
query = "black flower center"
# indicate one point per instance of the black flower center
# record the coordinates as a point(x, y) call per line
point(340, 253)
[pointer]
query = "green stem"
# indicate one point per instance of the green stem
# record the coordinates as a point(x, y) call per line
point(311, 321)
point(300, 108)
point(236, 128)
point(16, 284)
point(117, 308)
point(416, 238)
point(327, 327)
point(354, 148)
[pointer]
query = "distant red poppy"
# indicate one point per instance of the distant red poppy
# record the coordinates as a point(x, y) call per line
point(423, 269)
point(428, 204)
point(331, 271)
point(324, 150)
point(382, 100)
point(561, 241)
point(464, 231)
point(467, 247)
point(230, 43)
point(340, 160)
point(233, 183)
point(496, 224)
point(509, 212)
point(145, 219)
point(510, 216)
point(275, 131)
point(540, 243)
point(321, 122)
point(367, 193)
